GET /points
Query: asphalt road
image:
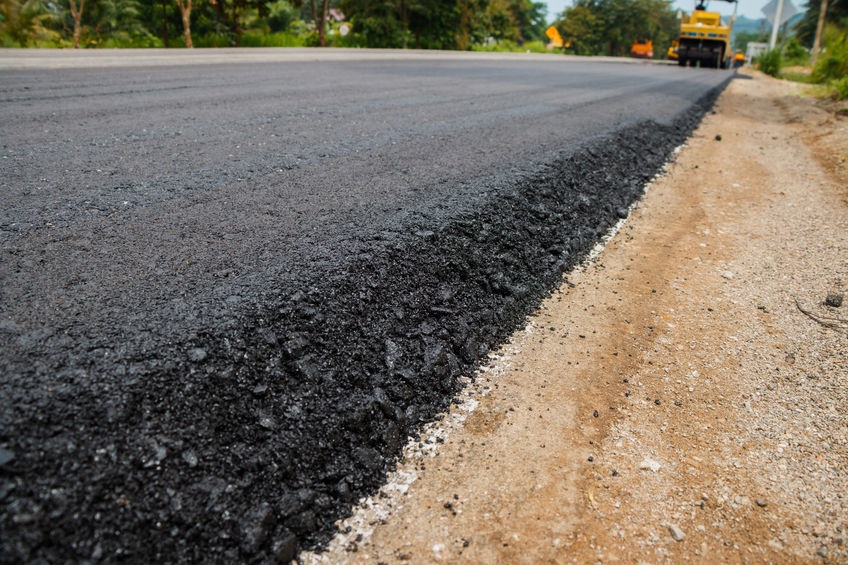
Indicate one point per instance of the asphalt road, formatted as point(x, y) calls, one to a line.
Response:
point(232, 288)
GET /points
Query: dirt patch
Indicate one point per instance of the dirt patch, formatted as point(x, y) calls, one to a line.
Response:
point(829, 138)
point(673, 401)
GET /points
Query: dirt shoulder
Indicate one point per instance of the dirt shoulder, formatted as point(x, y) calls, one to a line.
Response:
point(673, 401)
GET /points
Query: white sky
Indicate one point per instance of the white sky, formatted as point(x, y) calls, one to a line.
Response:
point(747, 8)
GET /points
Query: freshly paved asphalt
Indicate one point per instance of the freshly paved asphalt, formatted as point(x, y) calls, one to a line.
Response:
point(234, 282)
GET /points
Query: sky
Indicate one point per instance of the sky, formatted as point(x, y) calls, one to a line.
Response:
point(747, 8)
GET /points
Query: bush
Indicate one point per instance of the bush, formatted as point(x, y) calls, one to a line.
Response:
point(210, 40)
point(123, 41)
point(509, 46)
point(832, 64)
point(770, 62)
point(281, 16)
point(795, 54)
point(840, 88)
point(830, 67)
point(535, 46)
point(505, 46)
point(281, 39)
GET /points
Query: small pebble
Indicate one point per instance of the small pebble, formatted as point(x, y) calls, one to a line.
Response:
point(833, 300)
point(762, 502)
point(190, 457)
point(595, 414)
point(718, 137)
point(197, 354)
point(649, 464)
point(267, 422)
point(822, 551)
point(676, 533)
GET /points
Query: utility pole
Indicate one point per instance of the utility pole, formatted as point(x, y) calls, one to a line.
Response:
point(775, 25)
point(819, 28)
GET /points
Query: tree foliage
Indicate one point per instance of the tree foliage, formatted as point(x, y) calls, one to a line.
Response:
point(446, 24)
point(837, 16)
point(27, 22)
point(609, 27)
point(426, 24)
point(743, 38)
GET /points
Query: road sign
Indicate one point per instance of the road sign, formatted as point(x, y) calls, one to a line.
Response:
point(770, 9)
point(554, 36)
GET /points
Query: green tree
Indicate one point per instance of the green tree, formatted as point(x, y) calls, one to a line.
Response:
point(450, 24)
point(502, 23)
point(582, 28)
point(444, 24)
point(185, 15)
point(112, 23)
point(232, 17)
point(837, 15)
point(118, 22)
point(76, 9)
point(530, 18)
point(743, 38)
point(24, 22)
point(609, 27)
point(281, 15)
point(380, 23)
point(161, 18)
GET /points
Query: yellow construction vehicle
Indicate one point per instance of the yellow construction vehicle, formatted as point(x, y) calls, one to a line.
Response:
point(642, 49)
point(705, 39)
point(672, 50)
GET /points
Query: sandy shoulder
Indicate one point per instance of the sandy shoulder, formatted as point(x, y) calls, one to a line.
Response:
point(670, 402)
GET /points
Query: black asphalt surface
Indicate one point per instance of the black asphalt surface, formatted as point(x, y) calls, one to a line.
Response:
point(230, 292)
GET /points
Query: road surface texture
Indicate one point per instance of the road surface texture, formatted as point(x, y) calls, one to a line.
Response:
point(683, 399)
point(231, 290)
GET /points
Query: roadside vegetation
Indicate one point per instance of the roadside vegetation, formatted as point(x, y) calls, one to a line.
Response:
point(590, 27)
point(609, 27)
point(795, 58)
point(452, 24)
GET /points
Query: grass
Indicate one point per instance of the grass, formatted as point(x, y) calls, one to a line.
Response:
point(279, 39)
point(839, 88)
point(830, 72)
point(512, 47)
point(798, 74)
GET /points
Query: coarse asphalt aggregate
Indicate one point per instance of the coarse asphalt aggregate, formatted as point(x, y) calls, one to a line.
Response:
point(231, 291)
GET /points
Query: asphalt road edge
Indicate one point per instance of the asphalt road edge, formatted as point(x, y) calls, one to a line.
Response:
point(313, 390)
